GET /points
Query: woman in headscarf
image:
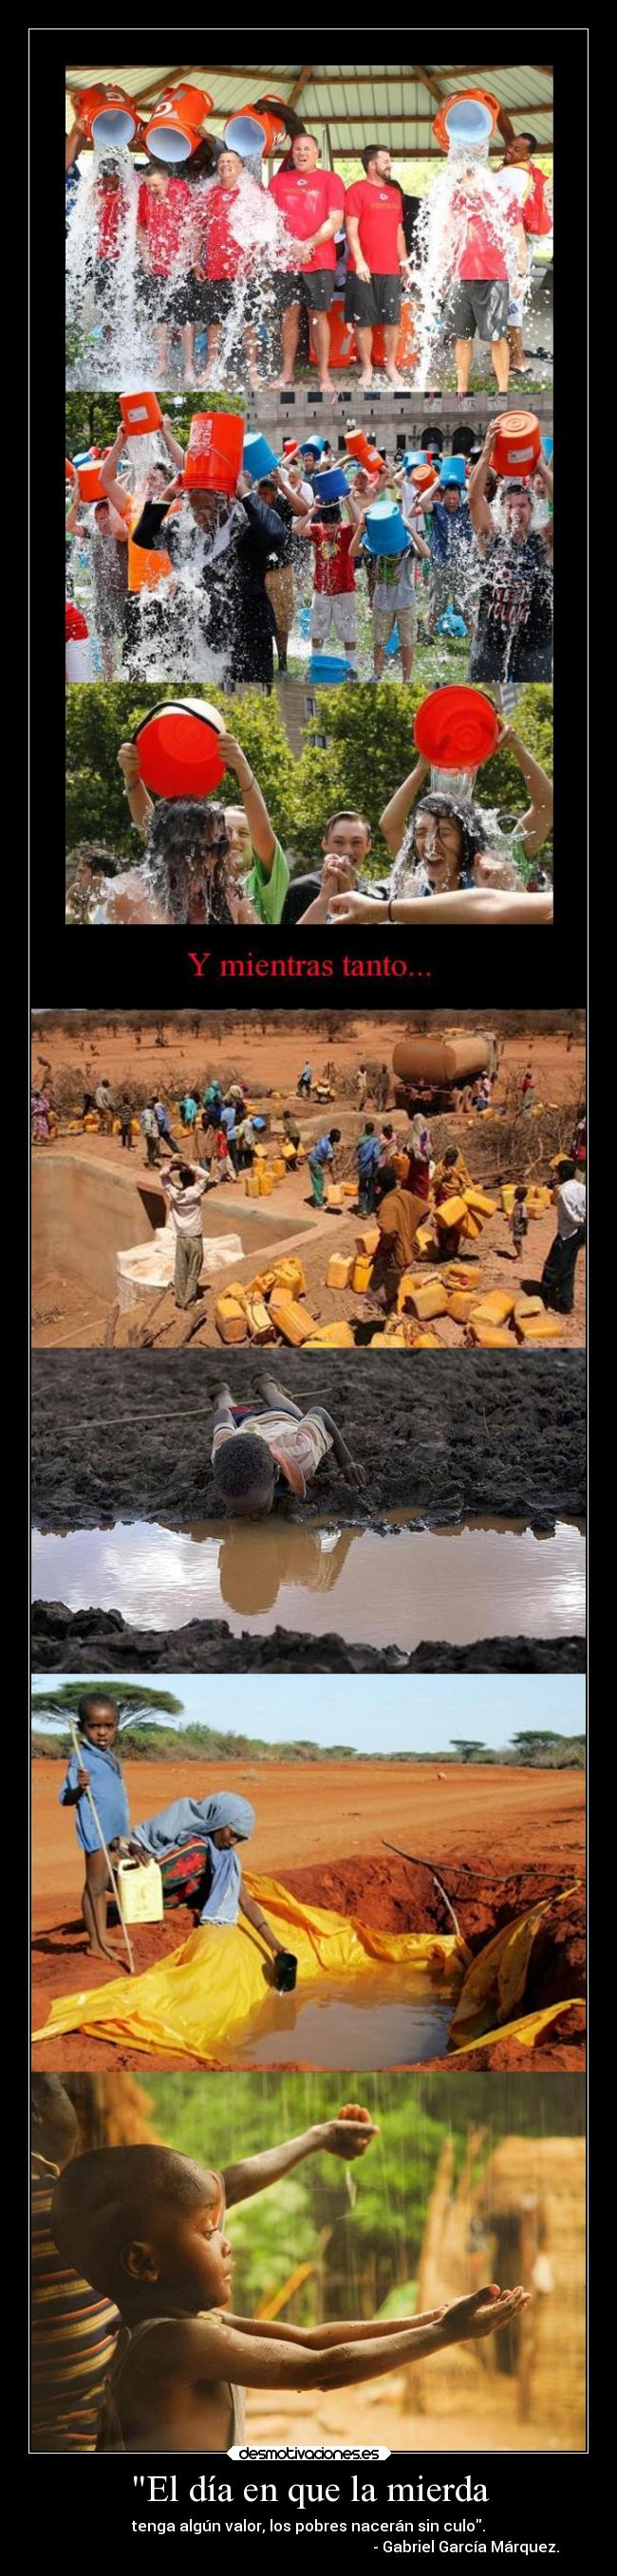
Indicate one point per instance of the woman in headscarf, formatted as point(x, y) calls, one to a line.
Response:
point(442, 852)
point(194, 1841)
point(418, 1148)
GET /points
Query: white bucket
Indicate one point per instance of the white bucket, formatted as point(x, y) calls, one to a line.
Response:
point(140, 1890)
point(78, 659)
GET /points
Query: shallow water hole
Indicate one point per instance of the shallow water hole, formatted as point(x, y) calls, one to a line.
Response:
point(394, 1586)
point(393, 2019)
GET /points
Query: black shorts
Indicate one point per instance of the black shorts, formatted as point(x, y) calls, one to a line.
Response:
point(104, 280)
point(313, 287)
point(478, 304)
point(212, 299)
point(162, 301)
point(368, 305)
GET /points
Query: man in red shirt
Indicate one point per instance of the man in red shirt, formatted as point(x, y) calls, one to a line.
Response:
point(311, 203)
point(230, 230)
point(164, 241)
point(488, 249)
point(377, 256)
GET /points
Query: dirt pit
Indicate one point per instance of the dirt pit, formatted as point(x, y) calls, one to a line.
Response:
point(382, 1587)
point(129, 1435)
point(65, 1641)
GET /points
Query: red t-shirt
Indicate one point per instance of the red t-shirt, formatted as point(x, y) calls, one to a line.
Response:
point(333, 571)
point(222, 251)
point(482, 255)
point(162, 218)
point(535, 215)
point(381, 213)
point(305, 198)
point(109, 211)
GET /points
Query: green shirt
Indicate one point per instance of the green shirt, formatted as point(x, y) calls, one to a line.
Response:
point(268, 893)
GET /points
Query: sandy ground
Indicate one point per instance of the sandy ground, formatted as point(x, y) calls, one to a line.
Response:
point(519, 1834)
point(276, 1056)
point(65, 1314)
point(380, 2413)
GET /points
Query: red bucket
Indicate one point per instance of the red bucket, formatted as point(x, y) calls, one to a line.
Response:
point(456, 728)
point(517, 443)
point(178, 748)
point(214, 452)
point(140, 413)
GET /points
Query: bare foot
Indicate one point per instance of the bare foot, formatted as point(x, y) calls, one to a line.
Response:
point(366, 378)
point(326, 387)
point(102, 1950)
point(392, 374)
point(282, 384)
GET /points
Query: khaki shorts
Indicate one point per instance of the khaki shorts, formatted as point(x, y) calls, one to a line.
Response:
point(385, 620)
point(281, 591)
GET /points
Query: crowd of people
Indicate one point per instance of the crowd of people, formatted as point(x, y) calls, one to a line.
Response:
point(191, 582)
point(204, 861)
point(243, 273)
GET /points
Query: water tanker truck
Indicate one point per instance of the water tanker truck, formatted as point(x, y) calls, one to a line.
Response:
point(430, 1070)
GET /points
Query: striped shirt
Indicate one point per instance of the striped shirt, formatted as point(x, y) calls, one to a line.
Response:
point(74, 2335)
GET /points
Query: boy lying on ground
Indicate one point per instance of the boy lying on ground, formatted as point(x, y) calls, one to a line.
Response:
point(259, 1449)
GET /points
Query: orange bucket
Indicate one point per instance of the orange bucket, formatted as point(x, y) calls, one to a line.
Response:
point(107, 114)
point(342, 343)
point(517, 443)
point(90, 485)
point(214, 452)
point(172, 132)
point(69, 470)
point(468, 116)
point(365, 455)
point(253, 130)
point(140, 412)
point(424, 477)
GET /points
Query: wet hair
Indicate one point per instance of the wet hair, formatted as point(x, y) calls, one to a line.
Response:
point(184, 832)
point(243, 1466)
point(91, 1700)
point(370, 152)
point(348, 814)
point(457, 809)
point(110, 2196)
point(328, 514)
point(55, 2126)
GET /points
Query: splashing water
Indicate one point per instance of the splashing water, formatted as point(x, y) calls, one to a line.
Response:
point(464, 187)
point(107, 326)
point(256, 225)
point(504, 834)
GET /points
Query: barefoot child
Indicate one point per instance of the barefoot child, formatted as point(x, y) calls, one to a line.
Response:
point(259, 1449)
point(147, 2226)
point(97, 1720)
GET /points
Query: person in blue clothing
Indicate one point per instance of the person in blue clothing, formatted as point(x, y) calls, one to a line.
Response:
point(188, 1108)
point(451, 542)
point(97, 1720)
point(320, 1157)
point(368, 1158)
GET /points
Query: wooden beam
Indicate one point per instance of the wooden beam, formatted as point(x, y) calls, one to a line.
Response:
point(305, 75)
point(428, 83)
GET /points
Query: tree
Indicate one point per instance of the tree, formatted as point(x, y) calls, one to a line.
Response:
point(469, 1748)
point(132, 1699)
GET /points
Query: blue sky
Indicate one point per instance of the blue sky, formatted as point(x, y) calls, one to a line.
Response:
point(381, 1713)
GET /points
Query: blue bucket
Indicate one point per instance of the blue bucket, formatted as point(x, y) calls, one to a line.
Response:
point(394, 643)
point(414, 456)
point(384, 531)
point(317, 444)
point(258, 457)
point(547, 444)
point(245, 134)
point(327, 668)
point(332, 486)
point(453, 471)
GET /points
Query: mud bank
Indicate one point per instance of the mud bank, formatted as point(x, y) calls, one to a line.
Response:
point(128, 1435)
point(61, 1638)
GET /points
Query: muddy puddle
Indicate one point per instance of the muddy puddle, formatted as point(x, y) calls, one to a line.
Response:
point(393, 2020)
point(381, 1588)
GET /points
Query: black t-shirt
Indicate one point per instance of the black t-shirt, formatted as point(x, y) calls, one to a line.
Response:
point(516, 599)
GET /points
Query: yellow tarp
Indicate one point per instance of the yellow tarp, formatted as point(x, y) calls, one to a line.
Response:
point(527, 2030)
point(497, 1978)
point(202, 2000)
